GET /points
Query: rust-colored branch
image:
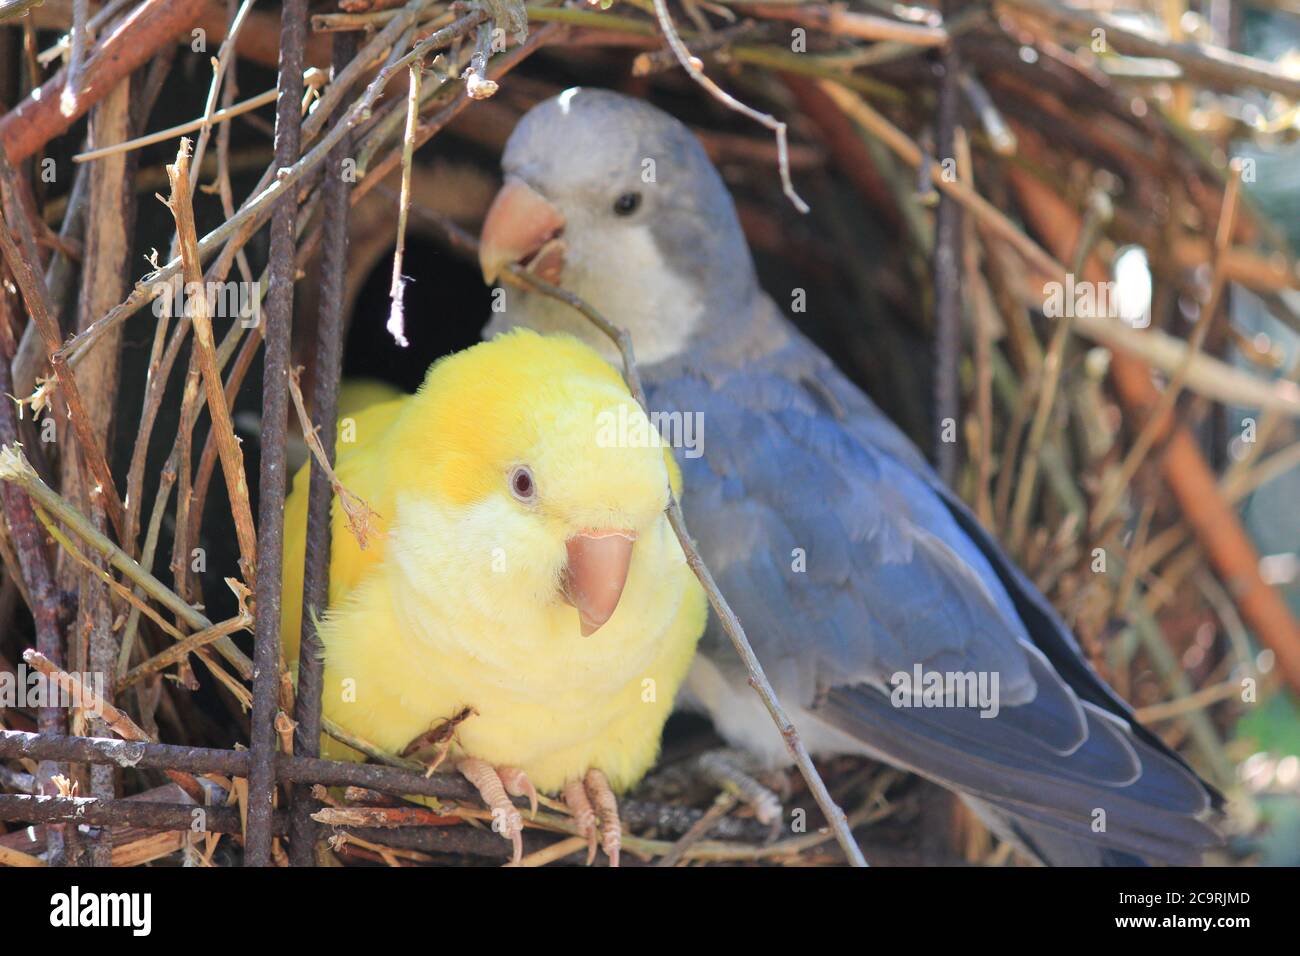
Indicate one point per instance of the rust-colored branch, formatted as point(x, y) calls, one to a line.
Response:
point(38, 119)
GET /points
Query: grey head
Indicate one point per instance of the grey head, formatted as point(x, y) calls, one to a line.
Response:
point(618, 201)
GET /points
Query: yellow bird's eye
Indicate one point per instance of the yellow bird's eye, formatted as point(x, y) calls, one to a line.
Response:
point(522, 485)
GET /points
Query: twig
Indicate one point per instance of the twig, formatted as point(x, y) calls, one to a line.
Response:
point(692, 67)
point(358, 513)
point(224, 56)
point(1001, 137)
point(22, 264)
point(273, 479)
point(232, 459)
point(397, 288)
point(74, 552)
point(61, 46)
point(162, 135)
point(722, 805)
point(183, 648)
point(1181, 706)
point(15, 469)
point(833, 18)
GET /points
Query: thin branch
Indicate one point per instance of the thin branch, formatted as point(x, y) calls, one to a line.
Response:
point(232, 459)
point(693, 68)
point(220, 116)
point(15, 468)
point(397, 287)
point(23, 264)
point(184, 647)
point(359, 514)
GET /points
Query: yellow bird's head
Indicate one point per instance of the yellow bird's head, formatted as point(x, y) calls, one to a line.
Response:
point(531, 462)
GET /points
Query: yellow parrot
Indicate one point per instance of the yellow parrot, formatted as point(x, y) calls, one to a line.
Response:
point(520, 585)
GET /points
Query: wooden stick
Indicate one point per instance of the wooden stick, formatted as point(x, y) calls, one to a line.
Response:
point(833, 18)
point(38, 119)
point(220, 116)
point(232, 459)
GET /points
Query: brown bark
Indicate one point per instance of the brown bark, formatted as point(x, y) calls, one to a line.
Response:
point(35, 121)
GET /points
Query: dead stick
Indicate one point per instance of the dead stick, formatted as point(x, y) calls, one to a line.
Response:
point(33, 565)
point(117, 720)
point(36, 297)
point(272, 482)
point(232, 459)
point(38, 118)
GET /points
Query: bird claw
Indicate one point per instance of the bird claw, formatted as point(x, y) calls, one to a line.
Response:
point(598, 822)
point(730, 770)
point(494, 786)
point(517, 784)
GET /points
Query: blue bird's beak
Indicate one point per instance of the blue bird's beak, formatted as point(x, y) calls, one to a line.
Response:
point(521, 227)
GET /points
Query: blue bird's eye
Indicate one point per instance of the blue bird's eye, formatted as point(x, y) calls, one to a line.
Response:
point(522, 485)
point(627, 204)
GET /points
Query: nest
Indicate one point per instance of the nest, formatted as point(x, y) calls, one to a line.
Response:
point(1027, 227)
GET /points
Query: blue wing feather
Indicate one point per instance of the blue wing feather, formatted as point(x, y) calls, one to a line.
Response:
point(896, 572)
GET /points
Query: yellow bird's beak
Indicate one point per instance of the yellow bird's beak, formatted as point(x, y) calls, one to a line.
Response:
point(596, 573)
point(521, 227)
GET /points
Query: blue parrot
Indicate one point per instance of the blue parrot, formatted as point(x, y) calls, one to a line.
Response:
point(890, 623)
